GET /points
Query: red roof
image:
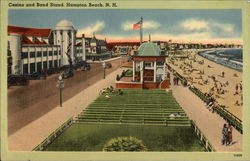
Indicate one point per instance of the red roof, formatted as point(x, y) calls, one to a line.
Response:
point(26, 40)
point(79, 44)
point(37, 41)
point(29, 31)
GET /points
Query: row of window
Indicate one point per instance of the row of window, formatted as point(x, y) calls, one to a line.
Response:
point(150, 64)
point(38, 66)
point(78, 50)
point(39, 54)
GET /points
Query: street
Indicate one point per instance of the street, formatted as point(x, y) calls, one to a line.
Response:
point(28, 103)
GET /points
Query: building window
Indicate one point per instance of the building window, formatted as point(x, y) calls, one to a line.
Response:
point(39, 67)
point(59, 52)
point(50, 53)
point(148, 64)
point(55, 52)
point(24, 55)
point(9, 70)
point(32, 54)
point(160, 63)
point(50, 64)
point(45, 53)
point(45, 65)
point(55, 64)
point(8, 53)
point(32, 67)
point(25, 68)
point(39, 54)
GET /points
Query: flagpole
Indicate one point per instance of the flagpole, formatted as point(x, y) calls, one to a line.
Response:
point(141, 27)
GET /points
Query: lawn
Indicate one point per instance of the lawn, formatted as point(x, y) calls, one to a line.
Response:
point(135, 106)
point(92, 137)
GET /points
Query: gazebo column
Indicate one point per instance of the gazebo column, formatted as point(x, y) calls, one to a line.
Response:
point(133, 70)
point(164, 71)
point(142, 64)
point(154, 71)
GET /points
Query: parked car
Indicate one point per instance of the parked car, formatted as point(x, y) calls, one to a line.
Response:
point(108, 65)
point(86, 66)
point(52, 71)
point(67, 73)
point(15, 80)
point(35, 76)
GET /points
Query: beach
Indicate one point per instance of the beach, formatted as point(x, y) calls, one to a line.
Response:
point(222, 83)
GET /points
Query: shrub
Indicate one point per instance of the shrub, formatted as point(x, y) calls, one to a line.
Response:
point(125, 144)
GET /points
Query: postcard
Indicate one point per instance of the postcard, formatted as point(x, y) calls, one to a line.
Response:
point(125, 80)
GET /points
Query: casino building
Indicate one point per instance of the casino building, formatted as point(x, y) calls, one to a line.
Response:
point(34, 50)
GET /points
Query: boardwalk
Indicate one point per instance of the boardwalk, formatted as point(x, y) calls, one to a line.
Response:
point(210, 123)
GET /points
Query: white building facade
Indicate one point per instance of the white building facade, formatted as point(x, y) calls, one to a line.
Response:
point(35, 50)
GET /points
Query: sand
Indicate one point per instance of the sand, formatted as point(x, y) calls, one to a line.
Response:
point(211, 69)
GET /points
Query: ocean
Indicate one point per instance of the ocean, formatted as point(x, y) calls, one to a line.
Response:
point(231, 58)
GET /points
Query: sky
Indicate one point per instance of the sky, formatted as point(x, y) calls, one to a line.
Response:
point(202, 26)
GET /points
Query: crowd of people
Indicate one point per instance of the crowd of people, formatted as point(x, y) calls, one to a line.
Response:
point(217, 86)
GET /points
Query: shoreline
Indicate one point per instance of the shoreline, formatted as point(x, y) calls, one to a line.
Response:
point(232, 64)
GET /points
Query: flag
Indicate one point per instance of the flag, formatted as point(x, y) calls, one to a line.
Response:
point(137, 25)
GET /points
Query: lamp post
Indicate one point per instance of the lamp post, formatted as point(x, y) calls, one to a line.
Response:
point(60, 85)
point(104, 66)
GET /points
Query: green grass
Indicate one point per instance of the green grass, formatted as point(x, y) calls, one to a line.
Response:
point(92, 137)
point(135, 106)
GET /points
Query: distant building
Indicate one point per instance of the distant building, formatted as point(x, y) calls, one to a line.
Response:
point(33, 50)
point(95, 49)
point(125, 47)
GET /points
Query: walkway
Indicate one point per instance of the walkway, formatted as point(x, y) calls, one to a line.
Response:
point(210, 123)
point(34, 133)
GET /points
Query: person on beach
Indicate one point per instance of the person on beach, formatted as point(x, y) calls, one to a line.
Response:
point(223, 74)
point(229, 134)
point(240, 86)
point(224, 134)
point(236, 89)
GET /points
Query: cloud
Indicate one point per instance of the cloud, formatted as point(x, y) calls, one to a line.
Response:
point(225, 27)
point(97, 27)
point(146, 25)
point(222, 29)
point(194, 24)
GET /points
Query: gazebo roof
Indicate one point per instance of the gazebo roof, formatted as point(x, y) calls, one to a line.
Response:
point(149, 49)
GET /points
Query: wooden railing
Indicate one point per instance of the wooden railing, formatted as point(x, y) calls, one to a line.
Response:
point(54, 135)
point(208, 146)
point(228, 116)
point(231, 118)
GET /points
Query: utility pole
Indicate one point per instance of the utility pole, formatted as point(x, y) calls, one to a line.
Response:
point(60, 85)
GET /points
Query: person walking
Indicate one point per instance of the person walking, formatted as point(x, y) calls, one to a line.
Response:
point(224, 134)
point(229, 134)
point(174, 79)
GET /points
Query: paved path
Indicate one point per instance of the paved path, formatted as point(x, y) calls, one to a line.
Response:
point(210, 123)
point(34, 133)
